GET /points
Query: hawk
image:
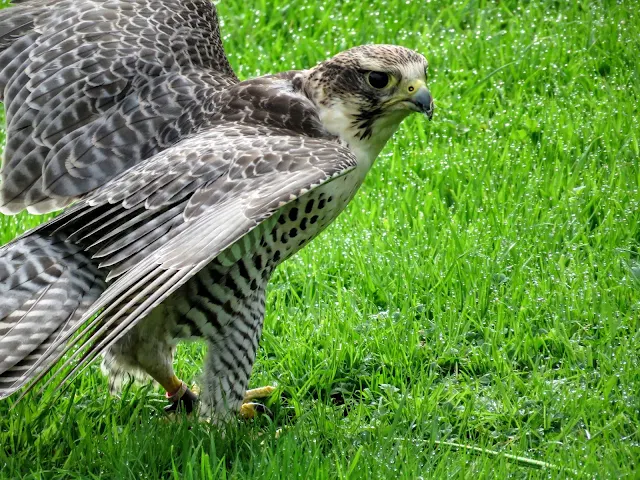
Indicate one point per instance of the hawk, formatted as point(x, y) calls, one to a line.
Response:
point(184, 187)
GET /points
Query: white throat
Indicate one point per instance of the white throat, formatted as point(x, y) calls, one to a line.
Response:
point(339, 121)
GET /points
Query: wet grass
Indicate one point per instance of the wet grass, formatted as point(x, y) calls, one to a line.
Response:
point(482, 289)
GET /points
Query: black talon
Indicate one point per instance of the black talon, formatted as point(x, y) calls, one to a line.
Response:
point(262, 410)
point(187, 403)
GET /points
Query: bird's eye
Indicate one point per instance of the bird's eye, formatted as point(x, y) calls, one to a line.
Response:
point(378, 79)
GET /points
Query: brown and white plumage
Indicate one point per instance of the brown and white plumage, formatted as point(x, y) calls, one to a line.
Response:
point(191, 186)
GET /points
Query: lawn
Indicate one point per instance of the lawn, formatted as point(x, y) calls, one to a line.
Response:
point(482, 290)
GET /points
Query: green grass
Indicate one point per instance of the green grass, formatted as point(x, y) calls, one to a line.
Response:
point(483, 288)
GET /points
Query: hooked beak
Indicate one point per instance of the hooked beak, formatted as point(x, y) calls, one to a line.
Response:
point(423, 101)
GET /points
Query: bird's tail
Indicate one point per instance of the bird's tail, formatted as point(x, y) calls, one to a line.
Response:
point(46, 284)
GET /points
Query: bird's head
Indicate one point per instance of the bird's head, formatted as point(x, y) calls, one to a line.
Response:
point(364, 93)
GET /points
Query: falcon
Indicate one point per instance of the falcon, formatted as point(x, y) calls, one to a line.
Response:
point(184, 187)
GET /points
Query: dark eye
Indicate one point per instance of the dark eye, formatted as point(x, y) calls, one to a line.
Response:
point(378, 79)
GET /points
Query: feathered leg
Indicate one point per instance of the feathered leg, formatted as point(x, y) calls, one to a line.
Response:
point(224, 305)
point(147, 351)
point(229, 362)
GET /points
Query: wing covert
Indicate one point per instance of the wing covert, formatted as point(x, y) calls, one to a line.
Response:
point(91, 87)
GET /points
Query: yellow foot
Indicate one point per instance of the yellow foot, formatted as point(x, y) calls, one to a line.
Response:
point(262, 392)
point(249, 409)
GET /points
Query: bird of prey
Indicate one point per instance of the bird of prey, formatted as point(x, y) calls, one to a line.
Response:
point(184, 187)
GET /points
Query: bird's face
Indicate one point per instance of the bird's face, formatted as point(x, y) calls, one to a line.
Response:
point(365, 92)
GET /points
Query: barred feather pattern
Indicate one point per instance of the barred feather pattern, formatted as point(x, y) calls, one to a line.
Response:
point(91, 87)
point(224, 302)
point(46, 285)
point(174, 219)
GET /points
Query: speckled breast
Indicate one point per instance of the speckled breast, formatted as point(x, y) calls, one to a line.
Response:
point(299, 222)
point(231, 289)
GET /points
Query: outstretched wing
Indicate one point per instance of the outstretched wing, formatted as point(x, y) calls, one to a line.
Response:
point(159, 223)
point(91, 87)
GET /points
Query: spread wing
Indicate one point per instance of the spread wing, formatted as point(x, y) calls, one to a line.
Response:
point(91, 87)
point(159, 223)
